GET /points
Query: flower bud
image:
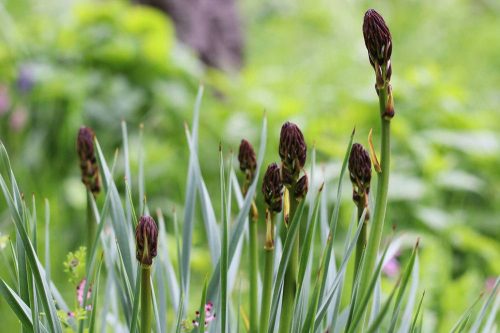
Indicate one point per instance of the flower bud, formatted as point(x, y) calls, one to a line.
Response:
point(301, 188)
point(247, 159)
point(272, 188)
point(88, 163)
point(146, 240)
point(293, 152)
point(378, 39)
point(360, 171)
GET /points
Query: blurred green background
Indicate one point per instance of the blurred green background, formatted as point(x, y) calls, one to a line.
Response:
point(68, 63)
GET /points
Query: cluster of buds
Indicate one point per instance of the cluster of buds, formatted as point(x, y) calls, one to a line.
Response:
point(293, 154)
point(146, 239)
point(209, 315)
point(272, 188)
point(378, 42)
point(247, 159)
point(360, 172)
point(88, 163)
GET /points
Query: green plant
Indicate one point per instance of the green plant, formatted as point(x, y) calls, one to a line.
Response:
point(310, 281)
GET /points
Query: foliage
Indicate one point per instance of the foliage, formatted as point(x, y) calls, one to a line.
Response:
point(312, 69)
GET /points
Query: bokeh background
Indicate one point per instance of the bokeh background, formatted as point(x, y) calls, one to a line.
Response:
point(68, 63)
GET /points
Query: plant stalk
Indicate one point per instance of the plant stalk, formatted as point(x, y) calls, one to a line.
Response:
point(363, 236)
point(91, 222)
point(146, 300)
point(254, 270)
point(381, 196)
point(268, 274)
point(290, 283)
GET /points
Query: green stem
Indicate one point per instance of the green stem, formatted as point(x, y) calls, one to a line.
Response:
point(290, 284)
point(146, 301)
point(91, 223)
point(363, 236)
point(268, 278)
point(254, 273)
point(381, 197)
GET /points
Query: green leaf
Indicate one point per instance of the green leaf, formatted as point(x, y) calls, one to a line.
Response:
point(201, 320)
point(95, 294)
point(487, 303)
point(285, 258)
point(237, 231)
point(406, 277)
point(224, 257)
point(135, 307)
point(189, 206)
point(334, 219)
point(415, 317)
point(122, 230)
point(40, 281)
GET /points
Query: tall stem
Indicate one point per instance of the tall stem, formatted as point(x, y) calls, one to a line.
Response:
point(268, 274)
point(290, 284)
point(381, 196)
point(146, 300)
point(91, 223)
point(254, 271)
point(363, 237)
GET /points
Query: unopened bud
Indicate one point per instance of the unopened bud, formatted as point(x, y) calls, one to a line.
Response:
point(301, 188)
point(247, 159)
point(378, 39)
point(293, 152)
point(272, 188)
point(88, 163)
point(360, 171)
point(146, 240)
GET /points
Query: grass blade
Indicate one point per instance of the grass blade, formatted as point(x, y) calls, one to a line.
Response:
point(237, 231)
point(404, 283)
point(287, 251)
point(40, 281)
point(189, 206)
point(487, 303)
point(415, 317)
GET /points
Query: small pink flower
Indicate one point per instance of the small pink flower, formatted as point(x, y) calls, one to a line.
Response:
point(18, 118)
point(79, 294)
point(209, 316)
point(392, 268)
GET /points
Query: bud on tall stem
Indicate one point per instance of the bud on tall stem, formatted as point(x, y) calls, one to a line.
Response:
point(248, 164)
point(146, 239)
point(293, 153)
point(378, 42)
point(360, 172)
point(88, 163)
point(90, 177)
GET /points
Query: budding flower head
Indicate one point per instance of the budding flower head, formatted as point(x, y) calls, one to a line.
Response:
point(272, 188)
point(301, 188)
point(146, 240)
point(247, 159)
point(360, 171)
point(378, 39)
point(293, 152)
point(88, 163)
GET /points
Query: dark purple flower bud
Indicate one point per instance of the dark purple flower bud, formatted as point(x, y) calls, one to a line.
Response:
point(301, 188)
point(272, 188)
point(88, 163)
point(293, 152)
point(360, 171)
point(146, 240)
point(247, 159)
point(378, 39)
